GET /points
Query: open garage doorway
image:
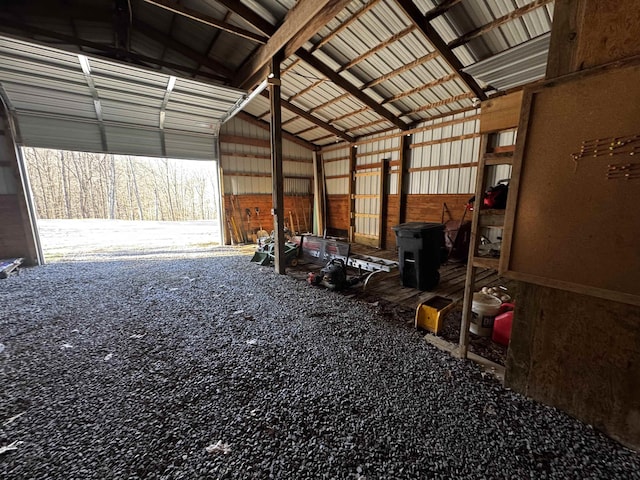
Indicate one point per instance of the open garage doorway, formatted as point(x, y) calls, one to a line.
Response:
point(94, 205)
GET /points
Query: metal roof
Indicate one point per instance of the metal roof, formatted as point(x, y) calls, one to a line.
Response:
point(74, 102)
point(371, 66)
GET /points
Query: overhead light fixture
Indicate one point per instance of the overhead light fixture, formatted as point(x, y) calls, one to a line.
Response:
point(84, 63)
point(171, 83)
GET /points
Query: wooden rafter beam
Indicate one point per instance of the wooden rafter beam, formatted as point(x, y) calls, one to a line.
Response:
point(352, 113)
point(420, 61)
point(443, 7)
point(440, 46)
point(366, 125)
point(350, 88)
point(306, 89)
point(315, 120)
point(515, 14)
point(345, 24)
point(300, 24)
point(181, 48)
point(114, 52)
point(329, 103)
point(381, 46)
point(305, 130)
point(179, 9)
point(421, 88)
point(214, 39)
point(441, 103)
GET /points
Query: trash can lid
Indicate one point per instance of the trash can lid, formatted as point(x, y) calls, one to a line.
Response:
point(417, 227)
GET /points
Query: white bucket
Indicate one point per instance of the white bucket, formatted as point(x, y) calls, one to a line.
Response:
point(485, 308)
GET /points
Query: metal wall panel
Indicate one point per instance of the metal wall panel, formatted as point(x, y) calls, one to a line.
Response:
point(59, 133)
point(8, 184)
point(451, 153)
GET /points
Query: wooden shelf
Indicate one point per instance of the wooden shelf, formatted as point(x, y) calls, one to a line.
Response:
point(491, 218)
point(486, 262)
point(502, 158)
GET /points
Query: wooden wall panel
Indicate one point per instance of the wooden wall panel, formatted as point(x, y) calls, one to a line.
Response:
point(392, 220)
point(338, 215)
point(428, 208)
point(299, 206)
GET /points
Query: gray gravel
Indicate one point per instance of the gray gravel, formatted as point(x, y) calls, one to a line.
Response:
point(212, 367)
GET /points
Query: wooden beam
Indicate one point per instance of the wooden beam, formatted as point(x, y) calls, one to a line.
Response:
point(426, 86)
point(306, 90)
point(366, 125)
point(405, 155)
point(300, 24)
point(345, 24)
point(515, 14)
point(448, 56)
point(382, 214)
point(441, 103)
point(315, 120)
point(276, 164)
point(445, 140)
point(350, 114)
point(329, 103)
point(443, 7)
point(408, 66)
point(181, 48)
point(179, 9)
point(352, 190)
point(350, 88)
point(381, 46)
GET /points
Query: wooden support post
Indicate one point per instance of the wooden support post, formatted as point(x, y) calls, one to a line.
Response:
point(276, 163)
point(382, 214)
point(352, 191)
point(319, 197)
point(405, 155)
point(473, 248)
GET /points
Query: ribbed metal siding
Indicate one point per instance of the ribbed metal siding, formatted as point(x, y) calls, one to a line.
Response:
point(336, 186)
point(451, 180)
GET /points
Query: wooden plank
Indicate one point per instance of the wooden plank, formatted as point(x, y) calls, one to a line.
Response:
point(416, 16)
point(265, 126)
point(300, 24)
point(445, 140)
point(486, 262)
point(348, 87)
point(500, 113)
point(345, 24)
point(505, 158)
point(509, 17)
point(443, 167)
point(441, 8)
point(382, 202)
point(381, 46)
point(378, 152)
point(406, 67)
point(441, 103)
point(279, 260)
point(421, 88)
point(352, 190)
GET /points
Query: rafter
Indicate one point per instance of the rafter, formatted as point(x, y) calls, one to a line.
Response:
point(441, 103)
point(352, 113)
point(515, 14)
point(300, 24)
point(350, 88)
point(213, 41)
point(176, 8)
point(394, 73)
point(345, 24)
point(440, 46)
point(366, 125)
point(443, 7)
point(306, 90)
point(421, 88)
point(329, 103)
point(377, 48)
point(315, 120)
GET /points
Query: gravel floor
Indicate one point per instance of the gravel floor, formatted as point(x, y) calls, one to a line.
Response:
point(212, 367)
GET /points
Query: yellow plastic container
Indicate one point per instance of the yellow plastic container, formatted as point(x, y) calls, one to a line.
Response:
point(429, 314)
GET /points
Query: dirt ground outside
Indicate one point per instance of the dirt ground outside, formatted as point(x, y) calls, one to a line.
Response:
point(64, 240)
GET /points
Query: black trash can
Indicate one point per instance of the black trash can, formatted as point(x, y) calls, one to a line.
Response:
point(420, 248)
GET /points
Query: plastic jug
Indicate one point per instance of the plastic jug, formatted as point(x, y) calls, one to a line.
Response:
point(502, 324)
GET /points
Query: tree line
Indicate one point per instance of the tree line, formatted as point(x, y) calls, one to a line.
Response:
point(92, 185)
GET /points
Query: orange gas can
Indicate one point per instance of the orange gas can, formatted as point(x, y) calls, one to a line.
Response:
point(502, 325)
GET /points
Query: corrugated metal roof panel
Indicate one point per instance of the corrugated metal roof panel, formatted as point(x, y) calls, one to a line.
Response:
point(517, 66)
